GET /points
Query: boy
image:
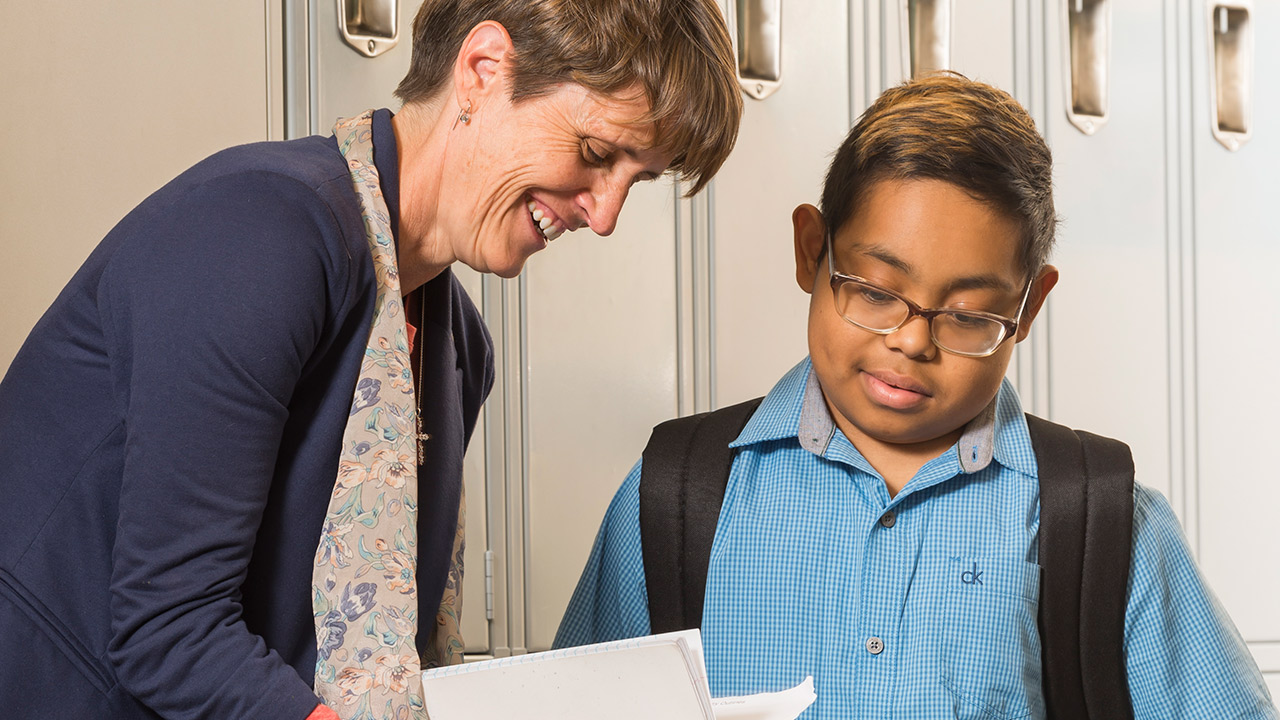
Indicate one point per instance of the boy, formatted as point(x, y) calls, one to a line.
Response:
point(880, 525)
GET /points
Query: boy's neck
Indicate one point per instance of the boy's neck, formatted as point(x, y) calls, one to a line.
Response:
point(896, 463)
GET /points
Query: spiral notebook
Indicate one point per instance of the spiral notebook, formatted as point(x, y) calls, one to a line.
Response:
point(659, 676)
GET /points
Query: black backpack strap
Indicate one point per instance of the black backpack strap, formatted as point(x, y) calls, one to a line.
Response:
point(1086, 539)
point(682, 481)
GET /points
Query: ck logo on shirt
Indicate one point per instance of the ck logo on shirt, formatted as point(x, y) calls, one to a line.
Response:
point(972, 577)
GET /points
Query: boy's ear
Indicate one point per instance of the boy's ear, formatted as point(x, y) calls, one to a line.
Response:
point(1040, 288)
point(482, 63)
point(810, 238)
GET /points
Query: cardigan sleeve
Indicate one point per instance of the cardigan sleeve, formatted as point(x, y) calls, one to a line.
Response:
point(211, 313)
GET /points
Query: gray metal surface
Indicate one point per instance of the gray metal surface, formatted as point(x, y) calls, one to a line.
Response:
point(1088, 44)
point(1236, 301)
point(370, 27)
point(928, 35)
point(758, 26)
point(1231, 72)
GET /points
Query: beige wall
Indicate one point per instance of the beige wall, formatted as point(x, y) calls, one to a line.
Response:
point(104, 103)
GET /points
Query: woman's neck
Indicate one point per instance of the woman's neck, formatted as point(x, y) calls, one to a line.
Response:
point(423, 252)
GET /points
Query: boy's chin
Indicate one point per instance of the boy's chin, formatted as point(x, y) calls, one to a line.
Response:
point(902, 429)
point(914, 436)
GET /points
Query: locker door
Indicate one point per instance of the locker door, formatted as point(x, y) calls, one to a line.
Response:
point(1110, 192)
point(996, 42)
point(1237, 300)
point(690, 305)
point(344, 82)
point(1159, 216)
point(326, 79)
point(1110, 318)
point(759, 315)
point(599, 360)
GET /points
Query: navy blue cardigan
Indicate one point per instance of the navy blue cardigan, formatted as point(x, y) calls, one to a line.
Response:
point(169, 439)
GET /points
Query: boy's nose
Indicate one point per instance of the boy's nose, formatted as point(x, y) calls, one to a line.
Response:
point(913, 339)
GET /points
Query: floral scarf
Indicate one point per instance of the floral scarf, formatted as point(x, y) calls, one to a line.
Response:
point(364, 587)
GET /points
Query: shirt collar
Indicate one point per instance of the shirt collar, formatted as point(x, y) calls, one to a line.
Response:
point(977, 444)
point(778, 416)
point(817, 427)
point(386, 158)
point(796, 408)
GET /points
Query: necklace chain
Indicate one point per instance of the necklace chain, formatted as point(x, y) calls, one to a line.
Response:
point(419, 436)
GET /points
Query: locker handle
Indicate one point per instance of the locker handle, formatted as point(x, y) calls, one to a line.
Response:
point(1231, 72)
point(758, 25)
point(370, 27)
point(927, 35)
point(1088, 41)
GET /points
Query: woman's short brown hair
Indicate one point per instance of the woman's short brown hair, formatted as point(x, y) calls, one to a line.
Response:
point(948, 127)
point(678, 51)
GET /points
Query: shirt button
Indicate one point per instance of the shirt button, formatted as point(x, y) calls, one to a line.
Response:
point(875, 645)
point(889, 519)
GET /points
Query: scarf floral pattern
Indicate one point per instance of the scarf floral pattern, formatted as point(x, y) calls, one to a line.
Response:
point(364, 586)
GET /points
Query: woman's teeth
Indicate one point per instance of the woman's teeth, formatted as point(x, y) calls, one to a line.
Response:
point(544, 222)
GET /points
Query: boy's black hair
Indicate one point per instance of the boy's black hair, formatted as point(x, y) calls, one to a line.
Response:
point(947, 127)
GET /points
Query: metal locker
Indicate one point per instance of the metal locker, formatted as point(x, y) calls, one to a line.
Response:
point(599, 358)
point(1116, 230)
point(758, 315)
point(1229, 309)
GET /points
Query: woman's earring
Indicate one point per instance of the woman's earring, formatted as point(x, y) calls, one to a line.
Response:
point(465, 116)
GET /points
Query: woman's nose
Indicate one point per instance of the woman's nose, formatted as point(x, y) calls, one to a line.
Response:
point(603, 203)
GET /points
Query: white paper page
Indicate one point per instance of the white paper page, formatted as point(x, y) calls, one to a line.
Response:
point(655, 677)
point(785, 705)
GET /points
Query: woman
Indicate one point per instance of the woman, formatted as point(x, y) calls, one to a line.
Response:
point(232, 449)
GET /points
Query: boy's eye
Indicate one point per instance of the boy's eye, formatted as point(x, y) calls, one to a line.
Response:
point(963, 320)
point(875, 297)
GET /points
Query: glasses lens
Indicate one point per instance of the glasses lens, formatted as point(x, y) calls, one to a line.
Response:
point(967, 334)
point(870, 308)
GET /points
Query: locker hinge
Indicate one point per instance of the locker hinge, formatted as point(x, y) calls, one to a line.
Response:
point(488, 584)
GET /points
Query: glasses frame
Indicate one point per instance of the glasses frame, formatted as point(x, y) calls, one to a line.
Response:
point(913, 310)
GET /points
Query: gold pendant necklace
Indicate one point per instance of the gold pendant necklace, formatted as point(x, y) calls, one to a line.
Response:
point(420, 437)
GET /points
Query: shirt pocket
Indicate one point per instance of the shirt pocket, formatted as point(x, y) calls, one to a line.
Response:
point(989, 642)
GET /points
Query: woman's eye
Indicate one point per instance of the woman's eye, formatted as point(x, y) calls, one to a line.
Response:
point(591, 155)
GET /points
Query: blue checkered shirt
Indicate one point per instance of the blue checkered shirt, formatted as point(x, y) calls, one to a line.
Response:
point(923, 605)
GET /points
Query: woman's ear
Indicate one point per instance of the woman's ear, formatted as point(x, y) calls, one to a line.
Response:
point(483, 64)
point(810, 232)
point(1040, 288)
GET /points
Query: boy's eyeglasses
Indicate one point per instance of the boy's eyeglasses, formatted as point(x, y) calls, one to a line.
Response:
point(969, 333)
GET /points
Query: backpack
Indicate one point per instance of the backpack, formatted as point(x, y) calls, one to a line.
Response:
point(1086, 533)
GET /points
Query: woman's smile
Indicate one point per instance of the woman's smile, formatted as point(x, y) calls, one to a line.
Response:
point(545, 221)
